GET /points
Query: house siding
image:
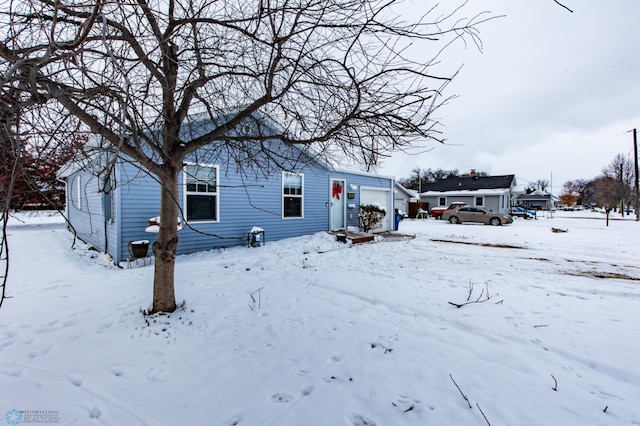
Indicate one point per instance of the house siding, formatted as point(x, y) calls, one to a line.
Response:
point(433, 200)
point(84, 209)
point(139, 196)
point(361, 181)
point(493, 203)
point(243, 203)
point(244, 200)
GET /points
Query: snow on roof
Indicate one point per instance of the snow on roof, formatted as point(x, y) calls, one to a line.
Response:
point(467, 192)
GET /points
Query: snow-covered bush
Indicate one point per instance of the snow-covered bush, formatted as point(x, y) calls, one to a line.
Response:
point(371, 216)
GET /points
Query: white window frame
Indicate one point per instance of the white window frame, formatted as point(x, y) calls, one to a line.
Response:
point(186, 193)
point(475, 201)
point(440, 204)
point(79, 192)
point(301, 195)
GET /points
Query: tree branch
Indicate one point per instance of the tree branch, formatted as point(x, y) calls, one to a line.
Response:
point(560, 4)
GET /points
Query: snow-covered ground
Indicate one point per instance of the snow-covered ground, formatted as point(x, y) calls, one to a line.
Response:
point(338, 334)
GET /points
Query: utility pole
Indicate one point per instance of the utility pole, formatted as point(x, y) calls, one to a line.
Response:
point(621, 186)
point(636, 202)
point(550, 202)
point(419, 189)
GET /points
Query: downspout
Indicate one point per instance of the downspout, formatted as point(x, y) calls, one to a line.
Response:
point(117, 212)
point(392, 216)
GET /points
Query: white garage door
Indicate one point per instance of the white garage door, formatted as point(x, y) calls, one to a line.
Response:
point(381, 197)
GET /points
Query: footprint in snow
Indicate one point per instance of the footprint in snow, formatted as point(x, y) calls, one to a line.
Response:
point(407, 403)
point(69, 323)
point(234, 421)
point(116, 372)
point(359, 420)
point(307, 391)
point(95, 413)
point(16, 372)
point(104, 327)
point(281, 397)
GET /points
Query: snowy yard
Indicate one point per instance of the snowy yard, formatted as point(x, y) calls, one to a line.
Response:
point(343, 334)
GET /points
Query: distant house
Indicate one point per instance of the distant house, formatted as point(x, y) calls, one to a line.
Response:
point(404, 199)
point(537, 200)
point(219, 204)
point(497, 193)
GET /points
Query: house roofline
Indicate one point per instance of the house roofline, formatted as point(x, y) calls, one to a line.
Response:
point(465, 192)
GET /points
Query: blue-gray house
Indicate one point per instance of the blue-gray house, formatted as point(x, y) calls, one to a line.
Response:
point(220, 200)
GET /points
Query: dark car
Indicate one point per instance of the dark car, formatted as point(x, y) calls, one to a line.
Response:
point(477, 215)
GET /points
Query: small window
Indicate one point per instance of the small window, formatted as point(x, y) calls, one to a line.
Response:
point(480, 201)
point(292, 195)
point(201, 193)
point(442, 201)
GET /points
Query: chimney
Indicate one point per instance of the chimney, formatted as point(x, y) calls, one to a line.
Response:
point(473, 173)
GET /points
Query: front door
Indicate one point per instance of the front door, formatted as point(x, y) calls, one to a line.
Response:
point(337, 203)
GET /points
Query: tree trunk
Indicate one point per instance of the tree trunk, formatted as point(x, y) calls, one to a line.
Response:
point(165, 247)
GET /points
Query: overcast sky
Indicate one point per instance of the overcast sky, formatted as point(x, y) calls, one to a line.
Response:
point(553, 94)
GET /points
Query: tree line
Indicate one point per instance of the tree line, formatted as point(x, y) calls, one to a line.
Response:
point(28, 167)
point(431, 175)
point(613, 189)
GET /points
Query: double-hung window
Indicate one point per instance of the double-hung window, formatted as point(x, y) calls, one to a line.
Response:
point(201, 193)
point(292, 195)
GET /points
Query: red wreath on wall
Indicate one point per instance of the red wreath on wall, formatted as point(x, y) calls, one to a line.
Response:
point(337, 190)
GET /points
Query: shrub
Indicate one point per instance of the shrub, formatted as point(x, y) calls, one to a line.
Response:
point(371, 216)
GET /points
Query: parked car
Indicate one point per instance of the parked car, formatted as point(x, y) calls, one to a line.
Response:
point(522, 212)
point(476, 214)
point(437, 211)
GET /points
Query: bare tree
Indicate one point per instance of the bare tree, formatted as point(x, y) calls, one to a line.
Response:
point(537, 185)
point(31, 161)
point(10, 152)
point(621, 170)
point(412, 182)
point(427, 176)
point(605, 193)
point(336, 74)
point(542, 184)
